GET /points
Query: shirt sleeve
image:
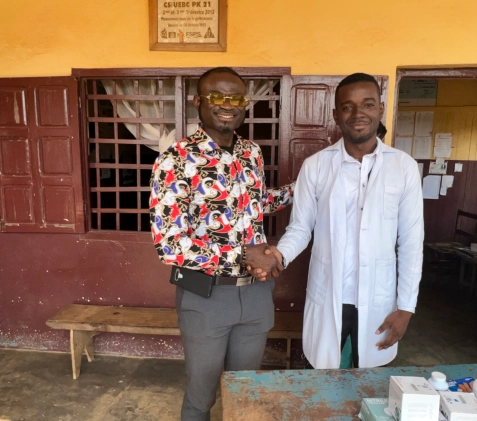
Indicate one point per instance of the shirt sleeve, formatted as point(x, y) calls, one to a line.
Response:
point(274, 200)
point(410, 239)
point(171, 232)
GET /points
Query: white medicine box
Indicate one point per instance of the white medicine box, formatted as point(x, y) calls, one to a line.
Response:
point(413, 399)
point(456, 406)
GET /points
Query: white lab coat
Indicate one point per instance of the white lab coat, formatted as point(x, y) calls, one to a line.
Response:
point(391, 226)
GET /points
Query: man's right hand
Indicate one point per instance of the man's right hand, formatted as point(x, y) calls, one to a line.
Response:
point(262, 258)
point(259, 272)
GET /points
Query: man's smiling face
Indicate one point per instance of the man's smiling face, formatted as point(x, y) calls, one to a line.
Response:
point(358, 111)
point(225, 118)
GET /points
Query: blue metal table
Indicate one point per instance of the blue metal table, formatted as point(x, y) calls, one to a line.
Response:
point(303, 395)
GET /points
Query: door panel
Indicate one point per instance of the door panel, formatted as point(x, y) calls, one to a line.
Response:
point(309, 105)
point(40, 165)
point(12, 106)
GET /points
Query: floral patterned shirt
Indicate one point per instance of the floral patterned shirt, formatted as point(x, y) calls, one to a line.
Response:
point(205, 203)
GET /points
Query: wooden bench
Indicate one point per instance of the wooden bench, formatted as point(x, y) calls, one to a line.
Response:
point(86, 321)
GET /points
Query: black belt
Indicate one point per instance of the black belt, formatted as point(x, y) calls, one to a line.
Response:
point(233, 280)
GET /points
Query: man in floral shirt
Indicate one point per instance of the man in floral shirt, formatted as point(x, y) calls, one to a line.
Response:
point(207, 204)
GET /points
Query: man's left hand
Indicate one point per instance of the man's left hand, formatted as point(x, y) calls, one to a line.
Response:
point(397, 323)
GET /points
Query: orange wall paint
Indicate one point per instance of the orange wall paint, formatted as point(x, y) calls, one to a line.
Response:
point(49, 37)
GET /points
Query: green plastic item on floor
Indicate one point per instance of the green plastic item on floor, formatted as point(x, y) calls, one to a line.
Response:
point(347, 355)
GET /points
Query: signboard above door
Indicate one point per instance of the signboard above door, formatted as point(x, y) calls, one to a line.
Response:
point(188, 25)
point(418, 92)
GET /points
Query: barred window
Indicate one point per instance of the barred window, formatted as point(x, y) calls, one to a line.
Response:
point(129, 121)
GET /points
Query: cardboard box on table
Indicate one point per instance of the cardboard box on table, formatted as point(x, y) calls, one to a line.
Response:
point(413, 399)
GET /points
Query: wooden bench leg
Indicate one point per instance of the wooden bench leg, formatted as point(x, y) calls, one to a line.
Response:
point(80, 340)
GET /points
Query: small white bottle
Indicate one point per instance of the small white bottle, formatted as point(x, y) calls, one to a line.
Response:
point(438, 381)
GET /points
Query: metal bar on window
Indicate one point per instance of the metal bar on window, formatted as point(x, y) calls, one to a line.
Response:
point(123, 141)
point(139, 97)
point(96, 150)
point(122, 166)
point(273, 105)
point(179, 107)
point(117, 189)
point(160, 84)
point(250, 114)
point(138, 184)
point(119, 211)
point(133, 120)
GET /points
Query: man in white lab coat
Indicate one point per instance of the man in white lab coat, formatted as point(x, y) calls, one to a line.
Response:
point(363, 201)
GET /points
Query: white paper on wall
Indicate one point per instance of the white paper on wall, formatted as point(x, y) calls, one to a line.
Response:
point(404, 144)
point(435, 168)
point(424, 123)
point(422, 147)
point(431, 186)
point(420, 166)
point(443, 145)
point(405, 123)
point(447, 183)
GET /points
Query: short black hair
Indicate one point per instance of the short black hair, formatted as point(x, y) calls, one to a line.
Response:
point(217, 70)
point(382, 131)
point(357, 78)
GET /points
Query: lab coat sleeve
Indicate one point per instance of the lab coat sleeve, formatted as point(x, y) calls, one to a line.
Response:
point(304, 209)
point(410, 239)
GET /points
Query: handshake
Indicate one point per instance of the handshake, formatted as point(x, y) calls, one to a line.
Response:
point(263, 261)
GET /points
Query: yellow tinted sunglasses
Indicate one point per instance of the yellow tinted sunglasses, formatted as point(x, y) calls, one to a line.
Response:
point(219, 99)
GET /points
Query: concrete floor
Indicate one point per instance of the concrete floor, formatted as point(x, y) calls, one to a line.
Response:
point(38, 386)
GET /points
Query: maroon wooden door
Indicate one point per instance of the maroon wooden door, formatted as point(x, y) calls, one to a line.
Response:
point(40, 165)
point(306, 127)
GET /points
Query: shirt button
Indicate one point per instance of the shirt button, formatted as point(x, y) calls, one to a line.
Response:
point(364, 185)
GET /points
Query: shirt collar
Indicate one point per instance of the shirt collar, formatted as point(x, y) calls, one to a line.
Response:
point(206, 143)
point(346, 157)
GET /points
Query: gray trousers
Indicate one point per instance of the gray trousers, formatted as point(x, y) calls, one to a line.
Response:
point(226, 331)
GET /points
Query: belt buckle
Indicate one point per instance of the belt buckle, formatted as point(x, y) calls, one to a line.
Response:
point(245, 281)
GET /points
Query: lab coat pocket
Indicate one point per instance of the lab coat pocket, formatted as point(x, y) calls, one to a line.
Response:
point(319, 278)
point(392, 195)
point(384, 282)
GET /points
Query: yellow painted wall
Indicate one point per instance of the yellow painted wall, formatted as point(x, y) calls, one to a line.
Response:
point(462, 123)
point(456, 92)
point(455, 112)
point(49, 37)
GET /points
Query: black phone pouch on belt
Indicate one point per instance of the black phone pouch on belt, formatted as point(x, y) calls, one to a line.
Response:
point(192, 280)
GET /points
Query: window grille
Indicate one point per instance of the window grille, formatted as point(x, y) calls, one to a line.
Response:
point(129, 120)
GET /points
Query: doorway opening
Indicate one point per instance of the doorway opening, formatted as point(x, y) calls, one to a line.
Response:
point(435, 121)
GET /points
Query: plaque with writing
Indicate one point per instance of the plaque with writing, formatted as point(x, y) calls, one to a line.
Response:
point(188, 25)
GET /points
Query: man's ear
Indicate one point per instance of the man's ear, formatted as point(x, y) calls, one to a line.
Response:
point(381, 109)
point(335, 116)
point(196, 101)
